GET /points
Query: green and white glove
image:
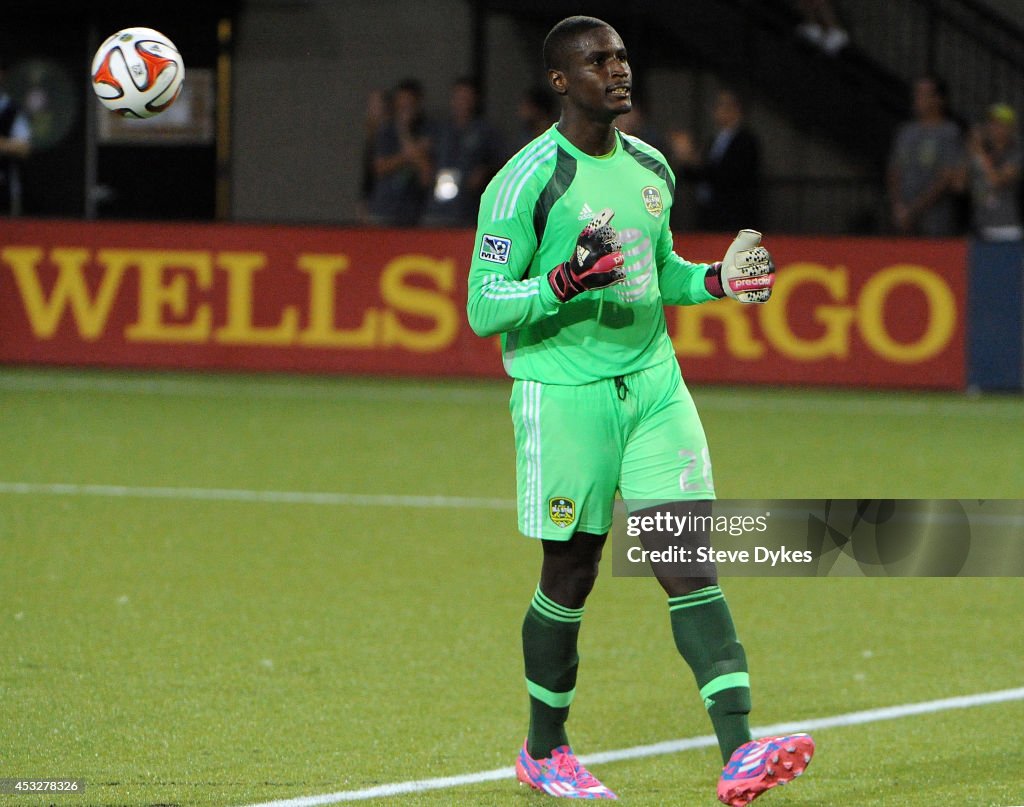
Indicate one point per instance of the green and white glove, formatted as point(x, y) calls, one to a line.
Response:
point(746, 273)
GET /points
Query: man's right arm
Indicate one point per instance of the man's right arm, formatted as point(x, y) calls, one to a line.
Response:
point(499, 299)
point(499, 303)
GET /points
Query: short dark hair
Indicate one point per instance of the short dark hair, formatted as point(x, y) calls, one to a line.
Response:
point(559, 39)
point(411, 85)
point(468, 80)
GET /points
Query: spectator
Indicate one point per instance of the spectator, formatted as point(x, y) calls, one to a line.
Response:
point(536, 113)
point(924, 166)
point(468, 152)
point(15, 145)
point(821, 26)
point(402, 168)
point(378, 114)
point(994, 176)
point(727, 174)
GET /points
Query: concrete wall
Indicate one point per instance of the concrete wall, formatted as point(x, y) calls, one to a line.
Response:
point(897, 36)
point(838, 190)
point(303, 70)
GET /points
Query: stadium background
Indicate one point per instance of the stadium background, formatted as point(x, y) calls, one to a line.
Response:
point(238, 565)
point(300, 72)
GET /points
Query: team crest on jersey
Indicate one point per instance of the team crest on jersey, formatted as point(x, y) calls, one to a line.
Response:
point(562, 511)
point(495, 249)
point(652, 200)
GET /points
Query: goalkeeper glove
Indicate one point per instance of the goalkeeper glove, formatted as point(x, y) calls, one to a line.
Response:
point(596, 262)
point(747, 273)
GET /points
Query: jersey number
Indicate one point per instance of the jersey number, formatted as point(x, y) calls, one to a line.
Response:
point(687, 479)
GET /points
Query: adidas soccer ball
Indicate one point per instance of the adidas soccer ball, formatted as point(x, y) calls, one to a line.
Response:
point(137, 72)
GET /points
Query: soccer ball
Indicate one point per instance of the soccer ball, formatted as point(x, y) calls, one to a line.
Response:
point(137, 72)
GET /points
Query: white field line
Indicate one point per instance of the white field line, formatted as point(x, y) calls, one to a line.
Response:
point(259, 496)
point(336, 499)
point(226, 387)
point(841, 402)
point(657, 749)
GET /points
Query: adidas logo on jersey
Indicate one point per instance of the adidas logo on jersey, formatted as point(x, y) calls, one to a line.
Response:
point(586, 214)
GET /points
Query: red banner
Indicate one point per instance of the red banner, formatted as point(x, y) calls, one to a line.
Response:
point(845, 311)
point(851, 311)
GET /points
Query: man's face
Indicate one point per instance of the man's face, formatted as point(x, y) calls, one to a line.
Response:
point(463, 101)
point(597, 79)
point(726, 112)
point(1000, 132)
point(927, 101)
point(407, 104)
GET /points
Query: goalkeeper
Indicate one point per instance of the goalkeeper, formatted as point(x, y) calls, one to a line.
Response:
point(573, 264)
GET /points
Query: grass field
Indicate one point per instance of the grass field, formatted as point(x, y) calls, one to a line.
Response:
point(226, 590)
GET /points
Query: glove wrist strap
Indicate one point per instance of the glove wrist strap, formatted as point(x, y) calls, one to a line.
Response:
point(713, 280)
point(561, 283)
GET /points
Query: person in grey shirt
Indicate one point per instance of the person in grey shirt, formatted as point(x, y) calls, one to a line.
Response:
point(402, 167)
point(467, 153)
point(924, 166)
point(994, 176)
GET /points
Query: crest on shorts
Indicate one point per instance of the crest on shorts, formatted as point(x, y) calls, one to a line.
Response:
point(562, 511)
point(652, 200)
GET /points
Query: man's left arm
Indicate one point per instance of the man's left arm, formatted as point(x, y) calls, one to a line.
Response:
point(681, 282)
point(746, 273)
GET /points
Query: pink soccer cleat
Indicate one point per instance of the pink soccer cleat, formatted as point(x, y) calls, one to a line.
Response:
point(759, 765)
point(560, 775)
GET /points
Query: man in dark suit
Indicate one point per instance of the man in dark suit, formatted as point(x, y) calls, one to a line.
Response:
point(15, 146)
point(726, 174)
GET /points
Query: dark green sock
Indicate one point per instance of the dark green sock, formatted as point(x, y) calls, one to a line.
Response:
point(550, 631)
point(706, 637)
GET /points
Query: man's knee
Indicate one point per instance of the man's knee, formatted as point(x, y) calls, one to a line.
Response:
point(570, 569)
point(689, 529)
point(678, 586)
point(582, 577)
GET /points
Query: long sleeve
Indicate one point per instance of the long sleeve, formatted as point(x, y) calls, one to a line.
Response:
point(503, 296)
point(681, 282)
point(498, 304)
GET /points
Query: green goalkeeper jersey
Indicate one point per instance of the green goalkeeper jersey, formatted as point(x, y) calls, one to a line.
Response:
point(531, 214)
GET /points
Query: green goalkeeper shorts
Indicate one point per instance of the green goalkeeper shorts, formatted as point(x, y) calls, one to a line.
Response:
point(576, 446)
